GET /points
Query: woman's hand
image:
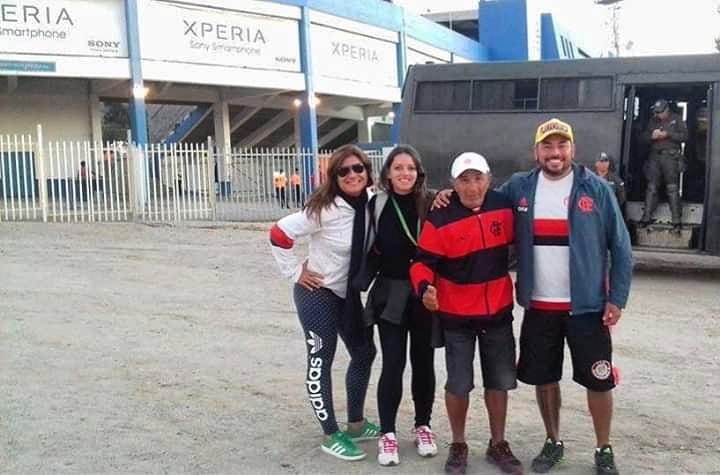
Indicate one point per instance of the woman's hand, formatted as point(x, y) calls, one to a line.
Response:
point(309, 279)
point(442, 199)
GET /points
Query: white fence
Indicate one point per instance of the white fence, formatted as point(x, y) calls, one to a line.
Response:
point(177, 181)
point(65, 181)
point(264, 184)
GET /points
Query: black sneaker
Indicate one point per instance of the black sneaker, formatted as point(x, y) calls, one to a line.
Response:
point(550, 455)
point(605, 461)
point(501, 455)
point(457, 459)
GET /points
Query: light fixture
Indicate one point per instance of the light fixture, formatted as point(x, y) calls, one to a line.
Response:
point(315, 102)
point(391, 115)
point(140, 92)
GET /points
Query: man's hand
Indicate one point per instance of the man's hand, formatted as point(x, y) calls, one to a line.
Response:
point(612, 314)
point(442, 199)
point(429, 298)
point(659, 134)
point(309, 279)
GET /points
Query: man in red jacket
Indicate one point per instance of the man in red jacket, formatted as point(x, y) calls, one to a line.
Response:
point(461, 273)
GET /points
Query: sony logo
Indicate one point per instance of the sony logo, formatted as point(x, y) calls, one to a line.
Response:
point(103, 44)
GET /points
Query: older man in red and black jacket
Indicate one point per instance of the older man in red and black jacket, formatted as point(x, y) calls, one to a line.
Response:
point(461, 273)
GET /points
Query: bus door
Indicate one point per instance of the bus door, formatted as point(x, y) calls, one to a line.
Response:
point(629, 117)
point(710, 233)
point(689, 103)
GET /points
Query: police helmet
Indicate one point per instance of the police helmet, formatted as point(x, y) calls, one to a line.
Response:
point(660, 105)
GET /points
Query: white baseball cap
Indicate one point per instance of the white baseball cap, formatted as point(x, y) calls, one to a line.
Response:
point(469, 161)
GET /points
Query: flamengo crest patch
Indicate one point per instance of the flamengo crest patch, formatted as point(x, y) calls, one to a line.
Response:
point(602, 369)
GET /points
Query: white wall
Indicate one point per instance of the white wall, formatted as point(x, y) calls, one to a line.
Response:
point(60, 105)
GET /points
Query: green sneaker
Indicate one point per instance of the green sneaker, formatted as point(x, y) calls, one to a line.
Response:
point(605, 461)
point(368, 431)
point(550, 455)
point(339, 445)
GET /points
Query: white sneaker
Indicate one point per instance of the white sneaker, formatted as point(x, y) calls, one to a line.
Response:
point(388, 450)
point(425, 442)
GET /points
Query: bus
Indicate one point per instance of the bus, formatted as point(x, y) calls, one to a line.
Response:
point(494, 109)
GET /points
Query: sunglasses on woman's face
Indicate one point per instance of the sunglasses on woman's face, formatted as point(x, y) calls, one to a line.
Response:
point(358, 168)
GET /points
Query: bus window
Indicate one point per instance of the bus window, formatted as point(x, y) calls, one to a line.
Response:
point(505, 95)
point(576, 93)
point(443, 96)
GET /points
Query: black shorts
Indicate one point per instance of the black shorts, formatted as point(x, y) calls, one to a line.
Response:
point(542, 346)
point(497, 358)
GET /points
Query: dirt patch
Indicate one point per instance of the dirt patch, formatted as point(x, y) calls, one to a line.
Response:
point(131, 348)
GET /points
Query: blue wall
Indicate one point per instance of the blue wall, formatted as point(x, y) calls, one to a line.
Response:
point(394, 18)
point(549, 44)
point(502, 27)
point(557, 42)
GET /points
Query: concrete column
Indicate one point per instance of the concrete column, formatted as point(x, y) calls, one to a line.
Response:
point(138, 114)
point(296, 131)
point(402, 69)
point(365, 130)
point(223, 146)
point(96, 117)
point(306, 111)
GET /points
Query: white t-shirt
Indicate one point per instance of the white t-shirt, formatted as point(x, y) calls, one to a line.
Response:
point(551, 254)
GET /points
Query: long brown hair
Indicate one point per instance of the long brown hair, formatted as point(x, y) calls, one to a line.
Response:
point(324, 196)
point(419, 191)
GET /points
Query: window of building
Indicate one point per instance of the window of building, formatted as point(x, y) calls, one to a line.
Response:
point(443, 96)
point(505, 95)
point(576, 93)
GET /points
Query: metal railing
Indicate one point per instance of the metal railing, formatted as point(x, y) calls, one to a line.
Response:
point(177, 182)
point(82, 181)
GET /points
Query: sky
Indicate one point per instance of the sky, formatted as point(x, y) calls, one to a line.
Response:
point(647, 27)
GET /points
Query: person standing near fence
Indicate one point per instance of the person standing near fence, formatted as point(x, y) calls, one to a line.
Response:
point(296, 183)
point(280, 180)
point(397, 212)
point(327, 302)
point(84, 180)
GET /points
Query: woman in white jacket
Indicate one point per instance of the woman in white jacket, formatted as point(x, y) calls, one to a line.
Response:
point(328, 305)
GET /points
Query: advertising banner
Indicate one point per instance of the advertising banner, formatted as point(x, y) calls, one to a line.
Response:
point(212, 36)
point(63, 27)
point(344, 55)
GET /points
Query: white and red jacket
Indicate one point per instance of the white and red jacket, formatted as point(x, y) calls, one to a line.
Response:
point(329, 249)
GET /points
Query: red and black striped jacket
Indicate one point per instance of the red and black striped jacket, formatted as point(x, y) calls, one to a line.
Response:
point(464, 253)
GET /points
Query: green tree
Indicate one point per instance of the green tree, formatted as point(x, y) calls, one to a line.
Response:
point(116, 122)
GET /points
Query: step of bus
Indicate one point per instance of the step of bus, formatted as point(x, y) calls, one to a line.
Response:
point(661, 235)
point(691, 212)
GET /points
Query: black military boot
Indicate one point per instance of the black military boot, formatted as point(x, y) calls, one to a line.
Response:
point(651, 199)
point(675, 207)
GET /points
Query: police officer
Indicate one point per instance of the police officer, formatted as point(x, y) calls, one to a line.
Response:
point(604, 168)
point(665, 133)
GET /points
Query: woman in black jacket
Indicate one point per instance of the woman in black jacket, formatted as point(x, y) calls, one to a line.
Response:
point(397, 212)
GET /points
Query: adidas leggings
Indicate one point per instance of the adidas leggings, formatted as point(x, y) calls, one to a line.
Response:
point(320, 312)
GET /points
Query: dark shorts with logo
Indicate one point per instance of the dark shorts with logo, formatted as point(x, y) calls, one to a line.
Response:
point(496, 343)
point(542, 348)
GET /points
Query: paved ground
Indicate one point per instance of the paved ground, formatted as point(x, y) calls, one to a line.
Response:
point(135, 349)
